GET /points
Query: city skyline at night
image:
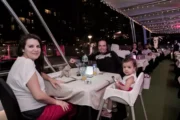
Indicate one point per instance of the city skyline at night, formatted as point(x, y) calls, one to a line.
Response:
point(70, 21)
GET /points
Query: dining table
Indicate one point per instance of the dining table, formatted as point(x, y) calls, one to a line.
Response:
point(82, 92)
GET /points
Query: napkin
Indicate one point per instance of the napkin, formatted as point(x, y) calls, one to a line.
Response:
point(62, 91)
point(65, 71)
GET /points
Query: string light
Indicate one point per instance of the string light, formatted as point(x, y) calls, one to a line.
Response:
point(153, 4)
point(170, 26)
point(161, 19)
point(158, 13)
point(159, 27)
point(120, 11)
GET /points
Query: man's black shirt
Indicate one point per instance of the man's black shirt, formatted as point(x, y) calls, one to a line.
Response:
point(108, 62)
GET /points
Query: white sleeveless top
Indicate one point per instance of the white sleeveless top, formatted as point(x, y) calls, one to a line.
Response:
point(18, 77)
point(125, 78)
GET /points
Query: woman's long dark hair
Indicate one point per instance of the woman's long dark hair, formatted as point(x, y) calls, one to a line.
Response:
point(38, 62)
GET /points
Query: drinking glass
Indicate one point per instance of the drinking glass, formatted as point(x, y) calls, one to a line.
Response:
point(78, 65)
point(82, 72)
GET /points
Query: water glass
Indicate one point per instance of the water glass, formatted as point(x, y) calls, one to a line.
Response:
point(82, 73)
point(78, 65)
point(82, 70)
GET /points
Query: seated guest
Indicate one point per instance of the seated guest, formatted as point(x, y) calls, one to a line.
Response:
point(106, 60)
point(152, 48)
point(146, 50)
point(26, 79)
point(140, 47)
point(135, 49)
point(176, 46)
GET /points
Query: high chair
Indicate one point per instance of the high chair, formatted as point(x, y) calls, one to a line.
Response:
point(3, 115)
point(125, 97)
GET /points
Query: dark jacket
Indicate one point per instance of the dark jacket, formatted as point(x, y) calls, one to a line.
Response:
point(176, 47)
point(138, 52)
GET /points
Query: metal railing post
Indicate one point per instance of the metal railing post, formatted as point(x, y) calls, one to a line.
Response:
point(132, 30)
point(145, 35)
point(6, 4)
point(47, 29)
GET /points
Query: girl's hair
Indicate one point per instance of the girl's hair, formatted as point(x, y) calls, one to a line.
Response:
point(38, 62)
point(130, 59)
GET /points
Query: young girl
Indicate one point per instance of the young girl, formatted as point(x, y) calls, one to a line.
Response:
point(126, 84)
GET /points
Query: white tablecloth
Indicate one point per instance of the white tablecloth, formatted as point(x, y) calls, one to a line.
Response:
point(122, 53)
point(177, 56)
point(87, 94)
point(176, 53)
point(142, 63)
point(156, 54)
point(148, 57)
point(166, 52)
point(178, 62)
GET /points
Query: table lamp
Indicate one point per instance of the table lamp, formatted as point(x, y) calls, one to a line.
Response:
point(89, 71)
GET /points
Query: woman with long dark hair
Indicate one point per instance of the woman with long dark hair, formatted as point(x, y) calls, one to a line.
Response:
point(26, 79)
point(135, 50)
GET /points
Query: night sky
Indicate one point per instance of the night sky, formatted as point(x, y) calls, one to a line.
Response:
point(69, 20)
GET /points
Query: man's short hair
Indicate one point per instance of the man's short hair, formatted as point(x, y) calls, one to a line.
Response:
point(102, 40)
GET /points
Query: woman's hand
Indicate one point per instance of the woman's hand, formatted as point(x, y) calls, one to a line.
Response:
point(55, 83)
point(63, 104)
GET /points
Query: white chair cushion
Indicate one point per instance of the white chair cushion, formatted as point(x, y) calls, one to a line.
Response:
point(114, 47)
point(122, 53)
point(128, 96)
point(147, 82)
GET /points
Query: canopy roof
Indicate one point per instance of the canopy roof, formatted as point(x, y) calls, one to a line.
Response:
point(159, 16)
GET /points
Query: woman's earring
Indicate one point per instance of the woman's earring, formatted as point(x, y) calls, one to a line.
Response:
point(23, 51)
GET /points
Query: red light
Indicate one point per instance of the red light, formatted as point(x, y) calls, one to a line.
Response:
point(176, 26)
